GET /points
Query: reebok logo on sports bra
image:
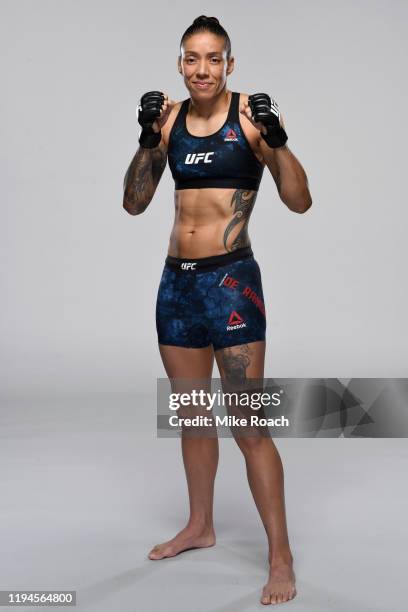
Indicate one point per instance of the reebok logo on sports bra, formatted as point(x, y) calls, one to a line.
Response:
point(223, 159)
point(231, 136)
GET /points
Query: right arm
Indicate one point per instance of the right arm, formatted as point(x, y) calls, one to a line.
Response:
point(142, 178)
point(150, 160)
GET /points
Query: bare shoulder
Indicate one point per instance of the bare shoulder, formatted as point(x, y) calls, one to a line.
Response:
point(251, 132)
point(166, 129)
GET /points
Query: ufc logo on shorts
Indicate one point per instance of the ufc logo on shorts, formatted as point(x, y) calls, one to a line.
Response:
point(188, 265)
point(195, 158)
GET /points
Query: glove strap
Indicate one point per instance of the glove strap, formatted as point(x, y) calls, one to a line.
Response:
point(275, 137)
point(149, 139)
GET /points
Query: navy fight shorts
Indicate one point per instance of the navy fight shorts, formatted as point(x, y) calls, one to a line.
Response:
point(213, 300)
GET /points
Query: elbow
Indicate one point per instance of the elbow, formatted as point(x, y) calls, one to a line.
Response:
point(134, 208)
point(299, 205)
point(306, 204)
point(132, 211)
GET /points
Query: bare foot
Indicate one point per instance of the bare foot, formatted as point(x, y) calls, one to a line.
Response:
point(280, 586)
point(186, 539)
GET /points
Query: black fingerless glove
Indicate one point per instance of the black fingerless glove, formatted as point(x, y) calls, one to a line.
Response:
point(266, 111)
point(148, 111)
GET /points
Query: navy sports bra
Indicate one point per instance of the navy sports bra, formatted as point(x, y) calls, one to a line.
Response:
point(223, 159)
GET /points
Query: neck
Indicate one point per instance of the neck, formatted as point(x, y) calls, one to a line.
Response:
point(206, 108)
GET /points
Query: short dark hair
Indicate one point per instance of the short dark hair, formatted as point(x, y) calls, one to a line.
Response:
point(207, 24)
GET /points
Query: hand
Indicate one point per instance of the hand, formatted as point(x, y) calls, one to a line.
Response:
point(164, 115)
point(264, 114)
point(153, 110)
point(245, 109)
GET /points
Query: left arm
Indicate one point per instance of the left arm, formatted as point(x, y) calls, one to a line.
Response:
point(288, 174)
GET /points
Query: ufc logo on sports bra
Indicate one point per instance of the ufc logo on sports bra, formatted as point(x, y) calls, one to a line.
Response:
point(195, 158)
point(188, 265)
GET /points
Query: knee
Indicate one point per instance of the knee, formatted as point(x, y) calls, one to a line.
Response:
point(252, 444)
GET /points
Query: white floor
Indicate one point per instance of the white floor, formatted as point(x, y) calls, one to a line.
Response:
point(87, 489)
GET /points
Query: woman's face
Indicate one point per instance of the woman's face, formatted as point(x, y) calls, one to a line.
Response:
point(204, 65)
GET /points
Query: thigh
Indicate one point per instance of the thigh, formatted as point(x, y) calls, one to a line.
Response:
point(241, 361)
point(241, 370)
point(190, 369)
point(180, 362)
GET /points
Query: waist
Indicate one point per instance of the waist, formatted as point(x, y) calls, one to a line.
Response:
point(204, 264)
point(248, 183)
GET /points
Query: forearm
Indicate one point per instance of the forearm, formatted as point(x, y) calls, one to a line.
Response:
point(291, 180)
point(142, 178)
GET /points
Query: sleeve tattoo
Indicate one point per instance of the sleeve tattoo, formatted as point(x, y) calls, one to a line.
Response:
point(142, 177)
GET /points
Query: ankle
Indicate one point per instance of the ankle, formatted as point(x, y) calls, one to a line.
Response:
point(279, 559)
point(201, 524)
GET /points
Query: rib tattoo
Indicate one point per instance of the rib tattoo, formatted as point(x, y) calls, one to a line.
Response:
point(243, 202)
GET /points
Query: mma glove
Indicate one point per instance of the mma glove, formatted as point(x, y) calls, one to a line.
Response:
point(148, 111)
point(266, 111)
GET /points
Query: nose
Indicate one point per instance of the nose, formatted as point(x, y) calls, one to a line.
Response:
point(202, 70)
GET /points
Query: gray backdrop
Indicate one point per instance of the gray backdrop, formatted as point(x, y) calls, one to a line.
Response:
point(80, 275)
point(86, 489)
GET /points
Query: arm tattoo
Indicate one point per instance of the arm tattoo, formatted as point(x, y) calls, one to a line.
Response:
point(243, 202)
point(143, 176)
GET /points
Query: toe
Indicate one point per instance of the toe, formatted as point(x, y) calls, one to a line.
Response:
point(153, 555)
point(292, 594)
point(266, 599)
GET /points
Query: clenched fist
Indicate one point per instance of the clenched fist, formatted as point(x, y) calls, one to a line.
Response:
point(152, 113)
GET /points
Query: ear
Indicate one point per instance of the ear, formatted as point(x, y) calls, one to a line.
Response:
point(231, 65)
point(179, 64)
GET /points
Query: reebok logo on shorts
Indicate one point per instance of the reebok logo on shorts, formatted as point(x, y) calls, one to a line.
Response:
point(235, 321)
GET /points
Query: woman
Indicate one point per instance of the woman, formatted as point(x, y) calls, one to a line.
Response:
point(210, 301)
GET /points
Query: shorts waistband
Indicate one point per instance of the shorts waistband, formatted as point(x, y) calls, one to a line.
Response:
point(204, 264)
